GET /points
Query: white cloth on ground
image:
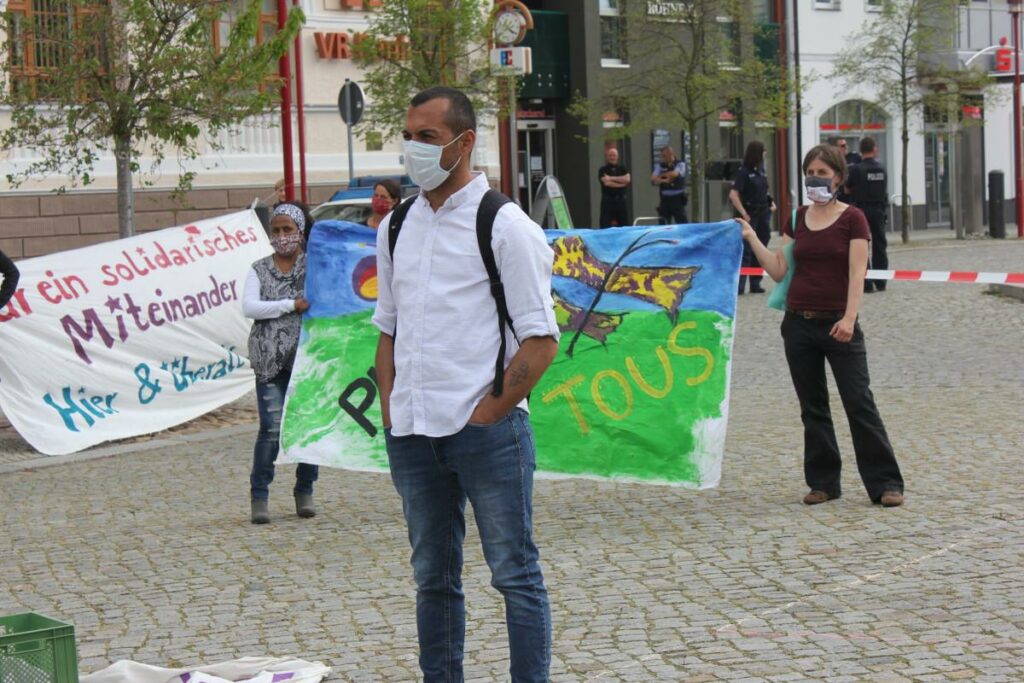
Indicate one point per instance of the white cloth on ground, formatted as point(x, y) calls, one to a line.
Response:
point(244, 670)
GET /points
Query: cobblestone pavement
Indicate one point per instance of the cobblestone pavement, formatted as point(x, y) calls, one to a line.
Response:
point(151, 555)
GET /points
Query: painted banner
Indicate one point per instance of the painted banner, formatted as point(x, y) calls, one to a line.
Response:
point(129, 337)
point(639, 390)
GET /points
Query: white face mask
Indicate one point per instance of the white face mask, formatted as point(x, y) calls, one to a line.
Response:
point(423, 163)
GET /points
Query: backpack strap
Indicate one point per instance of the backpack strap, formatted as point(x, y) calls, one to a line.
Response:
point(489, 206)
point(395, 224)
point(394, 227)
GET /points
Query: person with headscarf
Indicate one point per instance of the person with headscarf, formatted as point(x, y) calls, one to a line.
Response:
point(274, 299)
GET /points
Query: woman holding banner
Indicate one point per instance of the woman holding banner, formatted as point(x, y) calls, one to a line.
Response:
point(831, 256)
point(274, 300)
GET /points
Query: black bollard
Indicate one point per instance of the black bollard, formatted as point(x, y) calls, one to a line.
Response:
point(996, 216)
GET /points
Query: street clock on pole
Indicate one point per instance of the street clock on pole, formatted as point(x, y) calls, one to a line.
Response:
point(511, 19)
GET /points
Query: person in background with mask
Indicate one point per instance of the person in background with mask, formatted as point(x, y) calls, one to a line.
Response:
point(386, 195)
point(449, 438)
point(274, 299)
point(831, 254)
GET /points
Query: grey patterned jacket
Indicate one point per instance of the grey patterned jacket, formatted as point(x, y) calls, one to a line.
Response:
point(273, 341)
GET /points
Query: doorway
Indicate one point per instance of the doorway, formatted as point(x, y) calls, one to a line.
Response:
point(535, 160)
point(936, 178)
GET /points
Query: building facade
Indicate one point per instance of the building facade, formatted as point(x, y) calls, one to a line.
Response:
point(947, 169)
point(35, 221)
point(576, 46)
point(577, 43)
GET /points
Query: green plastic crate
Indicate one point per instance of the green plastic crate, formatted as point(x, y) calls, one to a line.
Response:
point(37, 649)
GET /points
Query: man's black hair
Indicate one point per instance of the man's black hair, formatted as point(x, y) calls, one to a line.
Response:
point(867, 145)
point(460, 116)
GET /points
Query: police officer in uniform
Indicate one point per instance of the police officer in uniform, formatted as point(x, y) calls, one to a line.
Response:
point(752, 202)
point(868, 189)
point(670, 177)
point(851, 159)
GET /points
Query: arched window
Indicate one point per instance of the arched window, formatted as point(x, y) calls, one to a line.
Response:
point(853, 118)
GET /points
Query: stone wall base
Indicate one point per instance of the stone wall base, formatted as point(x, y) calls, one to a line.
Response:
point(39, 224)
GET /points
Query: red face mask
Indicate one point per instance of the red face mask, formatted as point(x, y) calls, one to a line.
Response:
point(380, 206)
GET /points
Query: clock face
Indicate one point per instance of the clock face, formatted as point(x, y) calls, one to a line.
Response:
point(507, 27)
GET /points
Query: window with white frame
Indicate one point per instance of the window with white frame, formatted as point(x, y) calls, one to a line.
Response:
point(730, 45)
point(873, 5)
point(613, 34)
point(827, 4)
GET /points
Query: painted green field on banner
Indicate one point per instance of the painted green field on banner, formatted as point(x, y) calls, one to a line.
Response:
point(639, 390)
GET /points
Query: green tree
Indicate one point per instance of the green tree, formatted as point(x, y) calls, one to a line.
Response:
point(139, 76)
point(417, 44)
point(685, 68)
point(906, 52)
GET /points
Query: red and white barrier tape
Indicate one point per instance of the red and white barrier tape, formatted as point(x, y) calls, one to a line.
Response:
point(930, 276)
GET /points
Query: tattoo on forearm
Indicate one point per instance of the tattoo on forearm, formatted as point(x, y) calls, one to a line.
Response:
point(518, 374)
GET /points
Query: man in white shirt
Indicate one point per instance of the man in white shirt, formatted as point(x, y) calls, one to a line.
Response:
point(449, 438)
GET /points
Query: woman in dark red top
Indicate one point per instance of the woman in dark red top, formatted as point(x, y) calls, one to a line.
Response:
point(831, 255)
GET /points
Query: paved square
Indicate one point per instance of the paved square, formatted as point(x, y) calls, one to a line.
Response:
point(151, 556)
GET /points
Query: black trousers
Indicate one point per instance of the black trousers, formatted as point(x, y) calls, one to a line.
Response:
point(877, 217)
point(672, 209)
point(761, 222)
point(613, 212)
point(808, 346)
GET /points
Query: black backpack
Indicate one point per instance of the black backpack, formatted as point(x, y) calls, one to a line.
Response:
point(489, 206)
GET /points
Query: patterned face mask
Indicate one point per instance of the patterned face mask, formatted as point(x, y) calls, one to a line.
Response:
point(819, 190)
point(285, 245)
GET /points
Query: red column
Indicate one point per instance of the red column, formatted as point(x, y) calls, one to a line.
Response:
point(1018, 172)
point(300, 99)
point(285, 72)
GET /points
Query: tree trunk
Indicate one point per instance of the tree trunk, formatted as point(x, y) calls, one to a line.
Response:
point(904, 185)
point(695, 169)
point(125, 190)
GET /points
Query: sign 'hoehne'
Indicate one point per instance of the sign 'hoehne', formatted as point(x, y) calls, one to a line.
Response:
point(666, 9)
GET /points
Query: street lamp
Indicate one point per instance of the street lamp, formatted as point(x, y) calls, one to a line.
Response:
point(1015, 11)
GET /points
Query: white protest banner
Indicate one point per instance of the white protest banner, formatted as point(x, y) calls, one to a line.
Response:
point(128, 337)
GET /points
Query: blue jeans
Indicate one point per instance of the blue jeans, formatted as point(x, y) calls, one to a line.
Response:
point(270, 401)
point(491, 466)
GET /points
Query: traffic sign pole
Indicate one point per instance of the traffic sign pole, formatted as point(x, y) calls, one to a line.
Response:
point(348, 108)
point(513, 141)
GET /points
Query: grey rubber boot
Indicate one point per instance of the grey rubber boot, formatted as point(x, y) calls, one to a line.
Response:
point(304, 505)
point(260, 512)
